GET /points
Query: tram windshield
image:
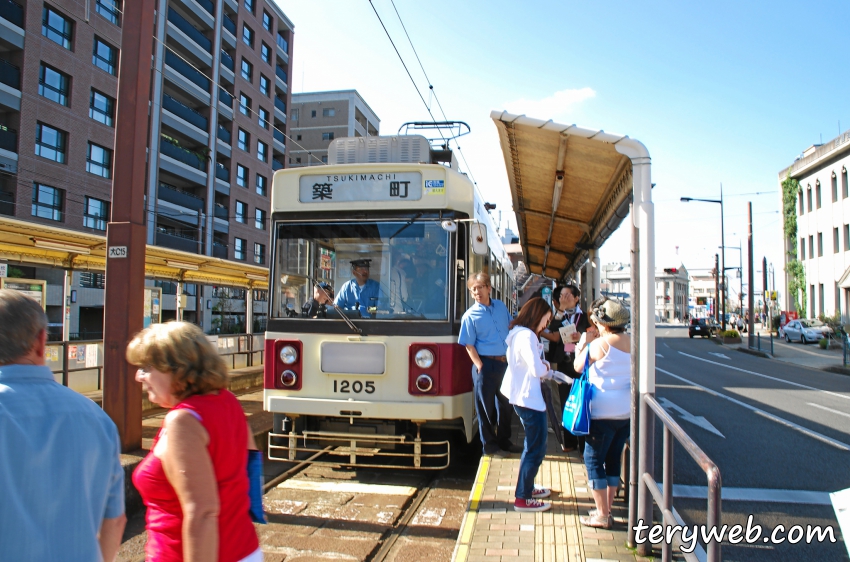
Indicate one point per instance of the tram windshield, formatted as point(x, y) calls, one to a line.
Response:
point(389, 270)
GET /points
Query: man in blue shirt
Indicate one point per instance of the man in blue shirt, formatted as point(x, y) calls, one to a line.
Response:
point(360, 293)
point(483, 330)
point(60, 471)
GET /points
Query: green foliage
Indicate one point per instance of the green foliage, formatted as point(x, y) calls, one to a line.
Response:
point(823, 343)
point(14, 272)
point(794, 267)
point(774, 322)
point(730, 334)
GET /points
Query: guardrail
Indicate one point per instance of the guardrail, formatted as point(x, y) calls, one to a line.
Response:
point(664, 498)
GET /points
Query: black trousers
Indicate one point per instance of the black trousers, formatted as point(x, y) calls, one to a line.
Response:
point(495, 413)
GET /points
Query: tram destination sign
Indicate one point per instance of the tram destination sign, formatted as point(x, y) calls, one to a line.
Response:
point(375, 186)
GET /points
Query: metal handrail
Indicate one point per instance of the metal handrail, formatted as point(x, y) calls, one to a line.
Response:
point(664, 499)
point(190, 30)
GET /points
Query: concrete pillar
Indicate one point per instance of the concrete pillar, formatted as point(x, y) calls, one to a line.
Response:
point(596, 275)
point(179, 304)
point(66, 305)
point(249, 310)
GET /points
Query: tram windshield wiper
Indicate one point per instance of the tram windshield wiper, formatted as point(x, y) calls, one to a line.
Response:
point(411, 221)
point(342, 315)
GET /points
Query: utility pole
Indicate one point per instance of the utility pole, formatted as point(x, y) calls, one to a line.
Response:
point(751, 338)
point(716, 286)
point(765, 290)
point(126, 232)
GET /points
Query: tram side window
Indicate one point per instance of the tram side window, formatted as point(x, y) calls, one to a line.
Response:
point(461, 293)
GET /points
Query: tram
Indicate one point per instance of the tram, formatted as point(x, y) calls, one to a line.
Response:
point(381, 382)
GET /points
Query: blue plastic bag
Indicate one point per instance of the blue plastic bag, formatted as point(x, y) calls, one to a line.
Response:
point(255, 491)
point(576, 417)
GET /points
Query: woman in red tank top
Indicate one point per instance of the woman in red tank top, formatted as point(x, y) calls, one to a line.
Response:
point(194, 481)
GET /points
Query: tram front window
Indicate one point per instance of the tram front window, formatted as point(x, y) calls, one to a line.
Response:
point(390, 270)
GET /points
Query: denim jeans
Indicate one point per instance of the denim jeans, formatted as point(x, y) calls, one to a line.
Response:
point(603, 448)
point(494, 410)
point(534, 449)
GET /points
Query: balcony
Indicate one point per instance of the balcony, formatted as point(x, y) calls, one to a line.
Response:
point(187, 71)
point(225, 97)
point(280, 104)
point(207, 5)
point(279, 136)
point(224, 135)
point(7, 203)
point(10, 74)
point(283, 43)
point(176, 241)
point(12, 12)
point(8, 139)
point(280, 73)
point(222, 172)
point(185, 112)
point(190, 30)
point(182, 155)
point(219, 250)
point(227, 61)
point(179, 197)
point(228, 24)
point(276, 164)
point(220, 212)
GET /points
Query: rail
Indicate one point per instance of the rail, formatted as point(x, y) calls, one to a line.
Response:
point(185, 112)
point(187, 71)
point(225, 97)
point(10, 74)
point(227, 60)
point(664, 498)
point(281, 73)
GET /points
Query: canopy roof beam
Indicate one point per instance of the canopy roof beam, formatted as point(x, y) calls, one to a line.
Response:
point(556, 192)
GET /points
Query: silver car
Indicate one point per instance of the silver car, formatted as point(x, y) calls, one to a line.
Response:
point(805, 331)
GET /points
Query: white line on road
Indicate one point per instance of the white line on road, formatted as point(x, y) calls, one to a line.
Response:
point(687, 416)
point(755, 495)
point(766, 376)
point(841, 506)
point(718, 355)
point(846, 415)
point(819, 436)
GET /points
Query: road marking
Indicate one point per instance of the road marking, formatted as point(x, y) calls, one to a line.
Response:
point(841, 506)
point(719, 355)
point(819, 436)
point(348, 488)
point(846, 415)
point(766, 376)
point(687, 416)
point(756, 495)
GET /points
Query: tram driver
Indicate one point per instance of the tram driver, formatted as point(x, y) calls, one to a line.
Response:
point(317, 306)
point(359, 293)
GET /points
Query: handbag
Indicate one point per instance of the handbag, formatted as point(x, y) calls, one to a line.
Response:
point(255, 490)
point(576, 418)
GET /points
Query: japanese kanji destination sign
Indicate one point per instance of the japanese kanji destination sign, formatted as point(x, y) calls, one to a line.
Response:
point(389, 186)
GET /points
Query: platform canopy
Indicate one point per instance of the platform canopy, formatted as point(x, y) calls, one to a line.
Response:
point(570, 187)
point(31, 243)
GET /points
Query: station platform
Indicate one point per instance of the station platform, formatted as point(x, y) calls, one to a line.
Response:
point(492, 531)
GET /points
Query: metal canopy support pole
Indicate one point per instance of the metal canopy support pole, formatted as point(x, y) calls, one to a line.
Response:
point(751, 273)
point(595, 275)
point(249, 310)
point(126, 232)
point(723, 283)
point(716, 286)
point(66, 305)
point(179, 305)
point(634, 442)
point(644, 220)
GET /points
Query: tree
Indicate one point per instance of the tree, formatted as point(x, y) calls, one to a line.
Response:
point(793, 266)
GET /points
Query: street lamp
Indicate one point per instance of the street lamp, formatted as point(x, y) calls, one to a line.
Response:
point(722, 245)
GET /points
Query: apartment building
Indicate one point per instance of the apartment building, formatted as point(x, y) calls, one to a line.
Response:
point(671, 289)
point(317, 118)
point(218, 120)
point(823, 227)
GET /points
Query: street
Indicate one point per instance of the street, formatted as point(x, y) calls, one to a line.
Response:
point(778, 432)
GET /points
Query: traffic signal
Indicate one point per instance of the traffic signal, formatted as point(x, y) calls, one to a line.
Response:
point(671, 270)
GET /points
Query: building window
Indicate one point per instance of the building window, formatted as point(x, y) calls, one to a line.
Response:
point(817, 193)
point(108, 9)
point(263, 118)
point(247, 35)
point(259, 219)
point(312, 113)
point(325, 159)
point(802, 249)
point(836, 242)
point(47, 202)
point(247, 70)
point(264, 85)
point(811, 247)
point(844, 189)
point(820, 299)
point(244, 104)
point(298, 160)
point(800, 197)
point(297, 137)
point(50, 143)
point(812, 301)
point(294, 115)
point(834, 187)
point(809, 198)
point(328, 112)
point(53, 85)
point(846, 237)
point(239, 249)
point(243, 139)
point(820, 244)
point(266, 53)
point(102, 108)
point(261, 185)
point(259, 253)
point(249, 5)
point(267, 21)
point(99, 161)
point(91, 280)
point(327, 136)
point(96, 214)
point(105, 56)
point(262, 151)
point(241, 212)
point(56, 27)
point(241, 175)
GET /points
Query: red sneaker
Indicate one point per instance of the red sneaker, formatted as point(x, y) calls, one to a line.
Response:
point(540, 493)
point(531, 505)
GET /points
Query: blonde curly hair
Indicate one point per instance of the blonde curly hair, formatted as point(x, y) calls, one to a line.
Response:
point(182, 350)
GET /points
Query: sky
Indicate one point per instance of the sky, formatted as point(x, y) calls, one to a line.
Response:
point(720, 93)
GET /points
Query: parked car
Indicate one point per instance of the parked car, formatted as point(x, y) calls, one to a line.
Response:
point(805, 331)
point(700, 327)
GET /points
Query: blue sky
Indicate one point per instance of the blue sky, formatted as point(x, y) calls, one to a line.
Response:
point(718, 92)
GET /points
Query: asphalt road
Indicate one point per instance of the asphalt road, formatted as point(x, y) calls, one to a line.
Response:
point(779, 433)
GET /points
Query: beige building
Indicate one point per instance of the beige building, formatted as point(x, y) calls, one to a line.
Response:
point(671, 289)
point(317, 118)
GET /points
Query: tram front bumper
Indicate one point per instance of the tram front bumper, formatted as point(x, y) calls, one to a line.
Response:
point(294, 405)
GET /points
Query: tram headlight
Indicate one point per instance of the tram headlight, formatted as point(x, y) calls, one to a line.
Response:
point(288, 378)
point(288, 355)
point(424, 358)
point(424, 383)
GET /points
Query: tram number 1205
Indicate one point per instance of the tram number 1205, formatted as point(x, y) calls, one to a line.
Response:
point(356, 387)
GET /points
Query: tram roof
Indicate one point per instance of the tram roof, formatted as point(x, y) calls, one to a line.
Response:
point(570, 187)
point(38, 244)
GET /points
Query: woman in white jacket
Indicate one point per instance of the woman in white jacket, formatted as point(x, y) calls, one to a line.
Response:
point(521, 385)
